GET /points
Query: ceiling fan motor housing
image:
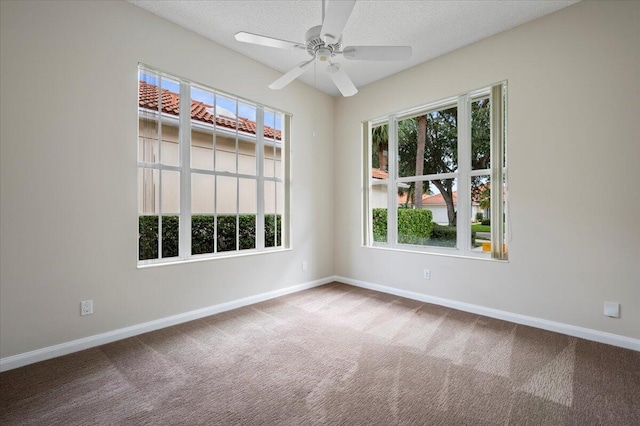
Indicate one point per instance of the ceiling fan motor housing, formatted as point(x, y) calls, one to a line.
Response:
point(316, 47)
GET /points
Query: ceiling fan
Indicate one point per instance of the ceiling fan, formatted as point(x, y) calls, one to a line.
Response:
point(324, 42)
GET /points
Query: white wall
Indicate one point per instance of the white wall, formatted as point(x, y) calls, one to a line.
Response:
point(68, 179)
point(574, 103)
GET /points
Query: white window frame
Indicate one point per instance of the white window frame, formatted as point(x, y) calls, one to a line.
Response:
point(462, 176)
point(186, 124)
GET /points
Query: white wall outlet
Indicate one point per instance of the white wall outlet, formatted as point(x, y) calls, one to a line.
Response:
point(305, 266)
point(86, 307)
point(612, 309)
point(427, 274)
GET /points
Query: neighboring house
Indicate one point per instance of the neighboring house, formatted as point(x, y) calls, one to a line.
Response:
point(378, 196)
point(438, 207)
point(202, 155)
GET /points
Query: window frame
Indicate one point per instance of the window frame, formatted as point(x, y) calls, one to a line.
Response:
point(186, 125)
point(463, 175)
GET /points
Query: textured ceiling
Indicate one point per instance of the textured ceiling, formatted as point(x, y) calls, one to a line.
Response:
point(431, 28)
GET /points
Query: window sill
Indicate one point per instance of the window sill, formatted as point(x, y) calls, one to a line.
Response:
point(202, 258)
point(446, 252)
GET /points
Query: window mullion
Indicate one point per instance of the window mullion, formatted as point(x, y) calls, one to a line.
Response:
point(160, 170)
point(184, 136)
point(497, 177)
point(260, 244)
point(392, 197)
point(286, 163)
point(463, 238)
point(367, 228)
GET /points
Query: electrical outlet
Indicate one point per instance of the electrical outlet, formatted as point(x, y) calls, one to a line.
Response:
point(304, 265)
point(612, 309)
point(86, 307)
point(427, 274)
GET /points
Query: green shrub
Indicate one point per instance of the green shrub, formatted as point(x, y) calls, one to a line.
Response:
point(271, 224)
point(148, 237)
point(414, 226)
point(479, 216)
point(441, 232)
point(170, 235)
point(203, 234)
point(379, 225)
point(486, 221)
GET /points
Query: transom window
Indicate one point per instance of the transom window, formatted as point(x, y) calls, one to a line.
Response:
point(212, 172)
point(432, 174)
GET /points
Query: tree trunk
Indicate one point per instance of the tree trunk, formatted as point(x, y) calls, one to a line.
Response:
point(422, 140)
point(447, 194)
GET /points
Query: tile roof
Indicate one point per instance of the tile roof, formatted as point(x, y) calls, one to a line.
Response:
point(379, 174)
point(438, 199)
point(433, 200)
point(148, 98)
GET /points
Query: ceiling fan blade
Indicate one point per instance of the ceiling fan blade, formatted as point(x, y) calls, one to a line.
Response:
point(336, 16)
point(267, 41)
point(377, 53)
point(291, 75)
point(342, 80)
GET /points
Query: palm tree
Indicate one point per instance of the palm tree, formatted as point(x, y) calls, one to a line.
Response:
point(484, 200)
point(380, 145)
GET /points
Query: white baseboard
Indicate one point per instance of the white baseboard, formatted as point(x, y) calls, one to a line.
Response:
point(43, 354)
point(15, 361)
point(570, 330)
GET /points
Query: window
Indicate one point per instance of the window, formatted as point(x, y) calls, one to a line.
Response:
point(212, 172)
point(430, 172)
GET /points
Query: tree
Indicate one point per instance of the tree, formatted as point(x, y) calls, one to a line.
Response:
point(422, 141)
point(380, 145)
point(484, 200)
point(428, 144)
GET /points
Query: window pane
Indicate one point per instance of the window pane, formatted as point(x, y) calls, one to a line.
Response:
point(202, 213)
point(481, 214)
point(428, 143)
point(480, 134)
point(148, 104)
point(226, 120)
point(246, 130)
point(148, 191)
point(202, 193)
point(248, 212)
point(271, 136)
point(170, 235)
point(226, 207)
point(202, 126)
point(379, 151)
point(147, 237)
point(148, 213)
point(170, 192)
point(273, 214)
point(378, 201)
point(170, 208)
point(431, 220)
point(170, 106)
point(279, 212)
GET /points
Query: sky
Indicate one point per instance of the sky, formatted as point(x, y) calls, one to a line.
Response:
point(244, 110)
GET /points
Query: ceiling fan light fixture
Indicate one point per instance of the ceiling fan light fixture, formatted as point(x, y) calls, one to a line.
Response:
point(323, 54)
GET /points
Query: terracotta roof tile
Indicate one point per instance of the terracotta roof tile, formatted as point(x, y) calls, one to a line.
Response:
point(379, 174)
point(148, 98)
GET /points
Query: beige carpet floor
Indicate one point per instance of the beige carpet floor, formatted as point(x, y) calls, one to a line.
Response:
point(335, 354)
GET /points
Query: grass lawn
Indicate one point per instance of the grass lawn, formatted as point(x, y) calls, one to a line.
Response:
point(481, 228)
